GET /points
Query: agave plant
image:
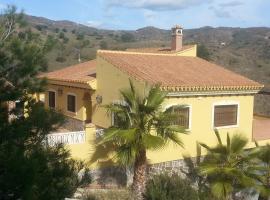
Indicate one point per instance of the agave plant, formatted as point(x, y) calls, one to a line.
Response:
point(141, 125)
point(227, 167)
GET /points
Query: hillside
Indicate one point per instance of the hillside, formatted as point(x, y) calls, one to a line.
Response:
point(243, 50)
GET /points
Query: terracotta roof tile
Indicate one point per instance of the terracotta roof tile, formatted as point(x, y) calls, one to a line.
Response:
point(177, 71)
point(80, 73)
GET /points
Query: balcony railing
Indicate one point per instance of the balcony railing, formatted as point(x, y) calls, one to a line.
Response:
point(77, 137)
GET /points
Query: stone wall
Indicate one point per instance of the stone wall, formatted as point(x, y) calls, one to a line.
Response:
point(170, 167)
point(109, 177)
point(121, 177)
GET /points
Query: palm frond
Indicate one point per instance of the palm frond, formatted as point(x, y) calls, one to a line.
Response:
point(218, 136)
point(153, 142)
point(238, 143)
point(155, 97)
point(221, 190)
point(199, 153)
point(205, 146)
point(125, 155)
point(119, 136)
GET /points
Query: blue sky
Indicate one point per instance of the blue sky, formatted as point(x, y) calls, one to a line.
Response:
point(134, 14)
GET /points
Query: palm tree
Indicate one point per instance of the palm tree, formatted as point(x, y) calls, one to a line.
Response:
point(228, 166)
point(263, 171)
point(140, 125)
point(193, 174)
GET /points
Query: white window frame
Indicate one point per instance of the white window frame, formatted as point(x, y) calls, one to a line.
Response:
point(71, 94)
point(190, 113)
point(225, 103)
point(55, 94)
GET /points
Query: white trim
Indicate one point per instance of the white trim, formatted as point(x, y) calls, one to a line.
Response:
point(55, 94)
point(71, 94)
point(211, 93)
point(189, 115)
point(225, 103)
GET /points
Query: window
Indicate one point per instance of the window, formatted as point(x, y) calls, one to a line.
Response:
point(225, 115)
point(51, 99)
point(183, 116)
point(71, 103)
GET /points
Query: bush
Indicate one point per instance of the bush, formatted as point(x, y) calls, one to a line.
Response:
point(203, 52)
point(127, 37)
point(62, 35)
point(60, 59)
point(165, 187)
point(80, 36)
point(73, 31)
point(103, 45)
point(65, 40)
point(86, 178)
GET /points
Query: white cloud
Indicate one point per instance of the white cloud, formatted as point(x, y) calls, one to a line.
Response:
point(95, 24)
point(222, 13)
point(155, 5)
point(150, 15)
point(232, 4)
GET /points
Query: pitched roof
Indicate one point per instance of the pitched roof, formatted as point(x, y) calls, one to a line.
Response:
point(80, 73)
point(178, 72)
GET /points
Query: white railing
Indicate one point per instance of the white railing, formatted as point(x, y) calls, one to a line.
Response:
point(77, 137)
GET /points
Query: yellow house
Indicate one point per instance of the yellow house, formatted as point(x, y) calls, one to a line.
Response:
point(214, 97)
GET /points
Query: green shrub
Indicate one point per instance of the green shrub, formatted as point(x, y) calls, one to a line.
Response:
point(61, 59)
point(165, 187)
point(127, 37)
point(80, 36)
point(203, 52)
point(86, 178)
point(103, 44)
point(61, 35)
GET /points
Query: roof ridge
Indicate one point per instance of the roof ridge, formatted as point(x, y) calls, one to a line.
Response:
point(139, 53)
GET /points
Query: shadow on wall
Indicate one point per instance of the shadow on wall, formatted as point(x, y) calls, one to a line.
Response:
point(108, 174)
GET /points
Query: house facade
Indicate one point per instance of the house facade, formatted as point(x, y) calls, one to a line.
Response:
point(211, 97)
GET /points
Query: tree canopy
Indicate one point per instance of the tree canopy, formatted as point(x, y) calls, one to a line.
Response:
point(29, 168)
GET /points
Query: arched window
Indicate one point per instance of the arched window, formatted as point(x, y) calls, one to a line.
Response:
point(183, 115)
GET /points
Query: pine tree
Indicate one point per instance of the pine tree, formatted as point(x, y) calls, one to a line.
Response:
point(29, 169)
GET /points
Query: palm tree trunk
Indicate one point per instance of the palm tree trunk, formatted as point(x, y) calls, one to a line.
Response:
point(139, 178)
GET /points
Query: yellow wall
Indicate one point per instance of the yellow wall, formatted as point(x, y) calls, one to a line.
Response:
point(84, 151)
point(111, 80)
point(189, 52)
point(202, 124)
point(61, 101)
